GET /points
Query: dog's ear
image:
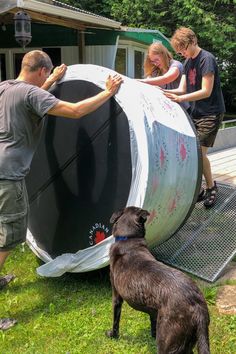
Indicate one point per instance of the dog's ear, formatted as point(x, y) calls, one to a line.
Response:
point(142, 216)
point(116, 215)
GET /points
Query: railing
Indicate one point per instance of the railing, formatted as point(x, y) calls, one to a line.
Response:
point(224, 124)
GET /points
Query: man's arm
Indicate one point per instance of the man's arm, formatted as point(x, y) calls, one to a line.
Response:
point(181, 89)
point(57, 74)
point(204, 92)
point(79, 109)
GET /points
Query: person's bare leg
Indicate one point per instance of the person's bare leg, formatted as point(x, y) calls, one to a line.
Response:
point(206, 168)
point(3, 257)
point(5, 279)
point(6, 323)
point(211, 187)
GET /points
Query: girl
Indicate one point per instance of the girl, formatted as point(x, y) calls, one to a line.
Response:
point(160, 68)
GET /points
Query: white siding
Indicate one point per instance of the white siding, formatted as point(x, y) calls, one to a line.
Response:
point(70, 55)
point(103, 55)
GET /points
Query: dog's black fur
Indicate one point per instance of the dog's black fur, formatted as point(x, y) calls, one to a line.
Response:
point(177, 309)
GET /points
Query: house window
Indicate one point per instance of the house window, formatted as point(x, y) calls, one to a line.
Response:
point(121, 63)
point(138, 64)
point(2, 67)
point(55, 55)
point(17, 59)
point(129, 59)
point(10, 60)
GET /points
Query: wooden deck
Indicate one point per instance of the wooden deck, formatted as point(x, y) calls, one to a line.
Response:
point(223, 165)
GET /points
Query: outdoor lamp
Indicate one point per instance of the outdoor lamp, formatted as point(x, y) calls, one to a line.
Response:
point(22, 28)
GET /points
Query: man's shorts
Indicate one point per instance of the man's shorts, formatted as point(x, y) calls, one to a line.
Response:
point(13, 213)
point(207, 128)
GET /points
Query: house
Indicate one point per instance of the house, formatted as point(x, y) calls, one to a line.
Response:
point(71, 35)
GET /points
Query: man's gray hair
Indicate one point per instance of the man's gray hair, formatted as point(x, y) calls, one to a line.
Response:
point(36, 59)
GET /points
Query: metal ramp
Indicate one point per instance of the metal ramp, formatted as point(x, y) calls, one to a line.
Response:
point(206, 243)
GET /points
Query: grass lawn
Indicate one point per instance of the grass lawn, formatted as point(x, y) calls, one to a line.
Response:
point(70, 315)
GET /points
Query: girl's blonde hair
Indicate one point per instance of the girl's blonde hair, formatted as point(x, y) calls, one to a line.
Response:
point(160, 49)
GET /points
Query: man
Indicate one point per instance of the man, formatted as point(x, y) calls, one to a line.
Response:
point(23, 104)
point(200, 85)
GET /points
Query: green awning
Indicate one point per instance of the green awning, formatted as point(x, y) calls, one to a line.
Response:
point(145, 36)
point(108, 37)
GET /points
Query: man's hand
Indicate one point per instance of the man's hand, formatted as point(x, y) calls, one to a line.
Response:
point(58, 72)
point(113, 83)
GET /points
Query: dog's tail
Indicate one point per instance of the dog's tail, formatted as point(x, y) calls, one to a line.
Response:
point(203, 343)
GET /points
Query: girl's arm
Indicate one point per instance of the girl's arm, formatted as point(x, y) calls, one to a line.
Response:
point(171, 75)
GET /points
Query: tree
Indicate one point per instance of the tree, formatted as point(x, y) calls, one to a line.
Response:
point(101, 7)
point(214, 22)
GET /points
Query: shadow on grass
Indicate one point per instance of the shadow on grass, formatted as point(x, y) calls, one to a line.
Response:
point(54, 296)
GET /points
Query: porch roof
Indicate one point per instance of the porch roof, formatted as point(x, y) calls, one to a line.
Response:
point(55, 12)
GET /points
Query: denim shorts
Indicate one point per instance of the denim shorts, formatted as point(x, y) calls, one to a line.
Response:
point(207, 128)
point(13, 213)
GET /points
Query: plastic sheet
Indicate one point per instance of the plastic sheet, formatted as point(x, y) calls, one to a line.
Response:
point(138, 149)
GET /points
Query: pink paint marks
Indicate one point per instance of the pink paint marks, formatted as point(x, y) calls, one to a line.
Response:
point(155, 184)
point(183, 152)
point(152, 216)
point(172, 205)
point(162, 157)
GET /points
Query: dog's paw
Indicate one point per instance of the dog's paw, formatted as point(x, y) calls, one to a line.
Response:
point(112, 334)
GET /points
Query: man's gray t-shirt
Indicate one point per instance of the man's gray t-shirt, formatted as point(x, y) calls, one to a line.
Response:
point(22, 109)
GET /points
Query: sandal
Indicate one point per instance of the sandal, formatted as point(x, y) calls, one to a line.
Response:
point(6, 323)
point(201, 195)
point(5, 280)
point(210, 198)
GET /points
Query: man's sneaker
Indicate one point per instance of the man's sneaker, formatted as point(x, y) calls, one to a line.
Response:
point(5, 280)
point(211, 194)
point(6, 323)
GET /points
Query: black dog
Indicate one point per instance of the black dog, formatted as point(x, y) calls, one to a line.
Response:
point(177, 309)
